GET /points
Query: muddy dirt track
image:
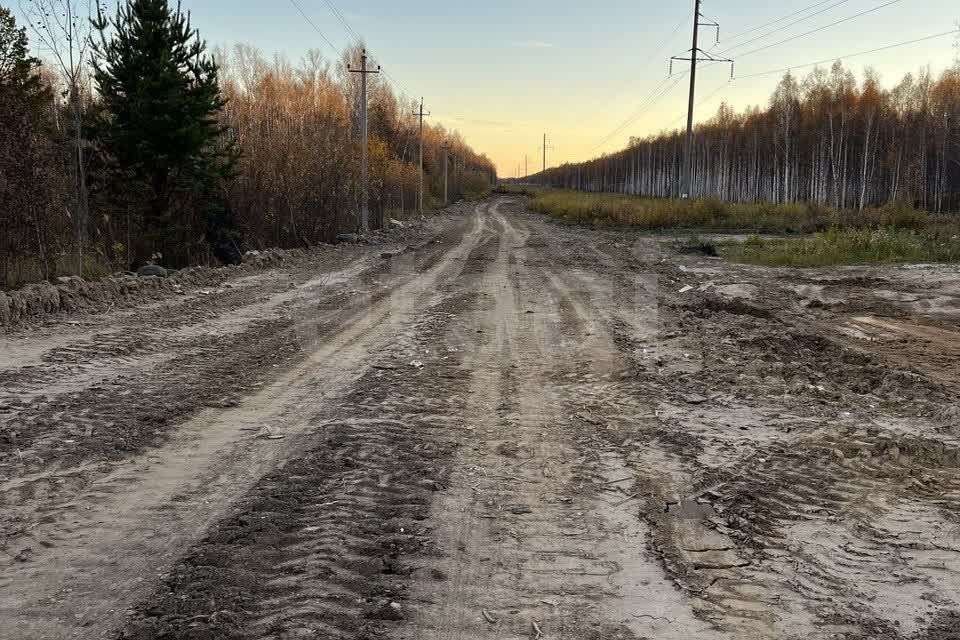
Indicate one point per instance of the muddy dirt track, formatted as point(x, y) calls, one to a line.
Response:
point(514, 429)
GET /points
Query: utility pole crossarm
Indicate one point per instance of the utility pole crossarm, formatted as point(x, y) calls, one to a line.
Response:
point(708, 58)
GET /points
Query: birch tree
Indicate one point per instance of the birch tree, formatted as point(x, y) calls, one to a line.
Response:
point(63, 28)
point(828, 139)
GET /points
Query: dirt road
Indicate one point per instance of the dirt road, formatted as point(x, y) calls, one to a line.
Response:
point(514, 429)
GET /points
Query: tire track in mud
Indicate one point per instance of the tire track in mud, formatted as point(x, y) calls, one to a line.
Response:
point(825, 509)
point(618, 415)
point(689, 452)
point(136, 517)
point(135, 408)
point(827, 546)
point(75, 439)
point(322, 547)
point(529, 540)
point(144, 339)
point(146, 355)
point(585, 453)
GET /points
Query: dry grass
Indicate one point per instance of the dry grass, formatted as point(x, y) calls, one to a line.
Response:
point(847, 246)
point(893, 233)
point(607, 209)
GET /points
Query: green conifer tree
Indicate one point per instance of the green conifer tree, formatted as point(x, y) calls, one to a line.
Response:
point(160, 100)
point(31, 186)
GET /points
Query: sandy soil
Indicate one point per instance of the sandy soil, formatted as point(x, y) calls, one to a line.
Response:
point(514, 429)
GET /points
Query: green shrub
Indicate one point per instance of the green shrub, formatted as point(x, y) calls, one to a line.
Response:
point(849, 245)
point(654, 214)
point(903, 215)
point(475, 185)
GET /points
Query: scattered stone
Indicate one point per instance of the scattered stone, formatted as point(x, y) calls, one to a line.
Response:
point(149, 270)
point(387, 611)
point(24, 555)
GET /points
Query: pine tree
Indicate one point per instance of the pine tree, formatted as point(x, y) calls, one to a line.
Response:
point(159, 126)
point(31, 188)
point(15, 65)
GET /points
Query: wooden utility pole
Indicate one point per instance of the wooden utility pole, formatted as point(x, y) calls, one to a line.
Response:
point(695, 52)
point(365, 161)
point(446, 164)
point(421, 114)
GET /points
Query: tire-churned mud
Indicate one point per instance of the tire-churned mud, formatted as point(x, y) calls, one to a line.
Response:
point(512, 429)
point(324, 544)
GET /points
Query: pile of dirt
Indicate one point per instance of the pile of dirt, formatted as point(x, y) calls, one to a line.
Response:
point(271, 257)
point(72, 294)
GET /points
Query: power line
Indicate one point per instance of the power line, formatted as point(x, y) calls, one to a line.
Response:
point(663, 45)
point(666, 42)
point(315, 27)
point(850, 55)
point(398, 86)
point(655, 96)
point(658, 98)
point(714, 92)
point(812, 64)
point(786, 17)
point(651, 100)
point(346, 25)
point(786, 26)
point(826, 26)
point(343, 21)
point(703, 101)
point(632, 118)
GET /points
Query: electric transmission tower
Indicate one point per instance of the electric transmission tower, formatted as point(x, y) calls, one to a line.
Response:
point(695, 56)
point(544, 148)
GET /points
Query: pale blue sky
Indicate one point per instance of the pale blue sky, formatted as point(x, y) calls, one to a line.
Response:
point(503, 72)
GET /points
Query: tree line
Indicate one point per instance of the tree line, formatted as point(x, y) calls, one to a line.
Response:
point(133, 143)
point(826, 138)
